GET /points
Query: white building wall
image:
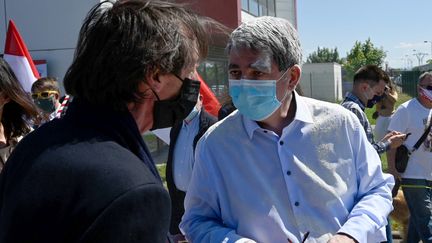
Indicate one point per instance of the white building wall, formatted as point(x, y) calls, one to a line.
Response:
point(338, 82)
point(286, 9)
point(49, 28)
point(322, 81)
point(2, 26)
point(245, 16)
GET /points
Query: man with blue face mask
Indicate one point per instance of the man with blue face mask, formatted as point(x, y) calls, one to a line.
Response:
point(368, 87)
point(283, 168)
point(369, 83)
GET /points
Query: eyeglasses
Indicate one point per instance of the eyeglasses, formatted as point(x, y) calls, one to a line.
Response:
point(43, 94)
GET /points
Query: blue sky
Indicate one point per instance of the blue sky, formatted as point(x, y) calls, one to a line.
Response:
point(398, 26)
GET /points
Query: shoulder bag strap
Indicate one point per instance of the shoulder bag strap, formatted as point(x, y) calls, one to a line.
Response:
point(425, 134)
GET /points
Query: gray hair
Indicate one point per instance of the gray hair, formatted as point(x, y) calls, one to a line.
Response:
point(425, 75)
point(272, 35)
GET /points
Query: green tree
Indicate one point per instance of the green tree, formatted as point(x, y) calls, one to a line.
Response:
point(323, 55)
point(363, 54)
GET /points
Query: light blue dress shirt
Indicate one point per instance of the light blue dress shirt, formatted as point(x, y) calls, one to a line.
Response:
point(183, 158)
point(321, 176)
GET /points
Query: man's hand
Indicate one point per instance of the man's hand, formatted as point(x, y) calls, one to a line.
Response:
point(342, 238)
point(395, 139)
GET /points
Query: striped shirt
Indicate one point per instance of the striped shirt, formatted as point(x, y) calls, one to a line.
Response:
point(353, 103)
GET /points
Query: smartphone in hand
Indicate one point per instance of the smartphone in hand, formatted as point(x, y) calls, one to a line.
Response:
point(407, 135)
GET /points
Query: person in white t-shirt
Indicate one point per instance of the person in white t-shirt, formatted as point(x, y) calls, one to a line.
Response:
point(413, 117)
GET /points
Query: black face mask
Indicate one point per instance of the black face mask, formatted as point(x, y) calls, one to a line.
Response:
point(374, 100)
point(167, 112)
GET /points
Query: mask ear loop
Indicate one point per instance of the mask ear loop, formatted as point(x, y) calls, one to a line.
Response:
point(365, 93)
point(182, 80)
point(286, 91)
point(157, 96)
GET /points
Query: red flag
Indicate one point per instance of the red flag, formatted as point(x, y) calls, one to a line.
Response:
point(19, 59)
point(210, 102)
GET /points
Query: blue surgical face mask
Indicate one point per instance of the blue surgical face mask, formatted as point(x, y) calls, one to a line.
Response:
point(255, 99)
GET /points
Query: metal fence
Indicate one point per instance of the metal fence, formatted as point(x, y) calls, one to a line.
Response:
point(408, 83)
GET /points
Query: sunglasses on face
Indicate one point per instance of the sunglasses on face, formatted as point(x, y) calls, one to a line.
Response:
point(43, 94)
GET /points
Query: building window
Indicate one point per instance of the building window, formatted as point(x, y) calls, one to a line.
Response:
point(253, 7)
point(215, 73)
point(245, 4)
point(259, 7)
point(271, 8)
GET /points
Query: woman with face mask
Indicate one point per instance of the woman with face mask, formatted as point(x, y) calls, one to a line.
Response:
point(17, 111)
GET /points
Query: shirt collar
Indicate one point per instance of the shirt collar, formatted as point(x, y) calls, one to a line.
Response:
point(302, 114)
point(191, 119)
point(351, 97)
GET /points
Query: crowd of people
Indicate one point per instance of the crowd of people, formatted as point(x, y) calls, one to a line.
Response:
point(276, 167)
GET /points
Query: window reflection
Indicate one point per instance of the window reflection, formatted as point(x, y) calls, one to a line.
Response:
point(259, 7)
point(215, 74)
point(253, 7)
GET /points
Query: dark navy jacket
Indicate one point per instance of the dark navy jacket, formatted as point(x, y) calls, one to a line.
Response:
point(84, 178)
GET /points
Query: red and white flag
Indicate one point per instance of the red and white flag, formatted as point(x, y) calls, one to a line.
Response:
point(19, 59)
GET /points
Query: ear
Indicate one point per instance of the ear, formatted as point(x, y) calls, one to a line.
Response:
point(152, 80)
point(295, 74)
